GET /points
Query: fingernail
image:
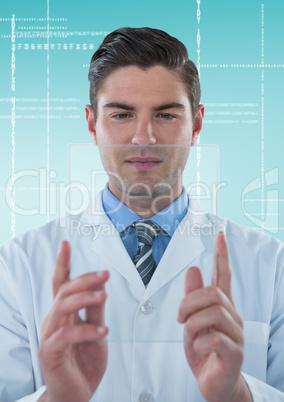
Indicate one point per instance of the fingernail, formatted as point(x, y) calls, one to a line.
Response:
point(98, 293)
point(101, 330)
point(100, 273)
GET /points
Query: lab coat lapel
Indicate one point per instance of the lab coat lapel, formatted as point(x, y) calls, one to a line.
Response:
point(185, 246)
point(107, 244)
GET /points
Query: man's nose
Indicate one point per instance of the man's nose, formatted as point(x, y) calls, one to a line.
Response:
point(144, 133)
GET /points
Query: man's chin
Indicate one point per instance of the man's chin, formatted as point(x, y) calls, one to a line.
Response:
point(147, 191)
point(148, 188)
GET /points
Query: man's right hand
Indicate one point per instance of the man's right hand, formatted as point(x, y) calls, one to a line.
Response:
point(72, 352)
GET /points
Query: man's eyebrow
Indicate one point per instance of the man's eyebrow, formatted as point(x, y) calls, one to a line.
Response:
point(171, 105)
point(124, 106)
point(119, 105)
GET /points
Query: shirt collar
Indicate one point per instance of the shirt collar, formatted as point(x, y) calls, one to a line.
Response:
point(122, 216)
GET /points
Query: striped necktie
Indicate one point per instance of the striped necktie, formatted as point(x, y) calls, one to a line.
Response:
point(146, 232)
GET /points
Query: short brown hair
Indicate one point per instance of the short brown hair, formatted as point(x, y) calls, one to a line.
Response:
point(144, 48)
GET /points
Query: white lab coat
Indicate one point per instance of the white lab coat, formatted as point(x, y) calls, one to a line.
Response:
point(146, 358)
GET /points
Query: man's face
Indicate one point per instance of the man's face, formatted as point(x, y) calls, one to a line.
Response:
point(144, 130)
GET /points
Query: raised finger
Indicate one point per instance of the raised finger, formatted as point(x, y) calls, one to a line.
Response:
point(204, 298)
point(72, 304)
point(62, 267)
point(221, 344)
point(69, 335)
point(222, 271)
point(61, 311)
point(217, 318)
point(193, 280)
point(90, 281)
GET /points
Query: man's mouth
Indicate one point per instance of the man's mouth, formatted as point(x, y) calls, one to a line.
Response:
point(143, 163)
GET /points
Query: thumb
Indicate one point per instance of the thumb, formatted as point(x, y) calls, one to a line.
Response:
point(193, 280)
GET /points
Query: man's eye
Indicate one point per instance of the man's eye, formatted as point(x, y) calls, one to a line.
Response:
point(121, 116)
point(166, 116)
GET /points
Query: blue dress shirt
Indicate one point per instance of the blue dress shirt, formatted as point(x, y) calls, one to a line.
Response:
point(122, 217)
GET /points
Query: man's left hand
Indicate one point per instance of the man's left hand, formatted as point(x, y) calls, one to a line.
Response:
point(213, 332)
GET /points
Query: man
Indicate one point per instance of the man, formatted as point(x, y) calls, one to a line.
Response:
point(151, 329)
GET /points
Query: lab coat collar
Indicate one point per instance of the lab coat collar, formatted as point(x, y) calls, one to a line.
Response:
point(95, 214)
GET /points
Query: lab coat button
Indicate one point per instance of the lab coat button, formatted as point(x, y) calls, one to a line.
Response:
point(146, 397)
point(147, 307)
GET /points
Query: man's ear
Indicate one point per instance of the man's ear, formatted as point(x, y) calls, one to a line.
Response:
point(91, 122)
point(197, 124)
